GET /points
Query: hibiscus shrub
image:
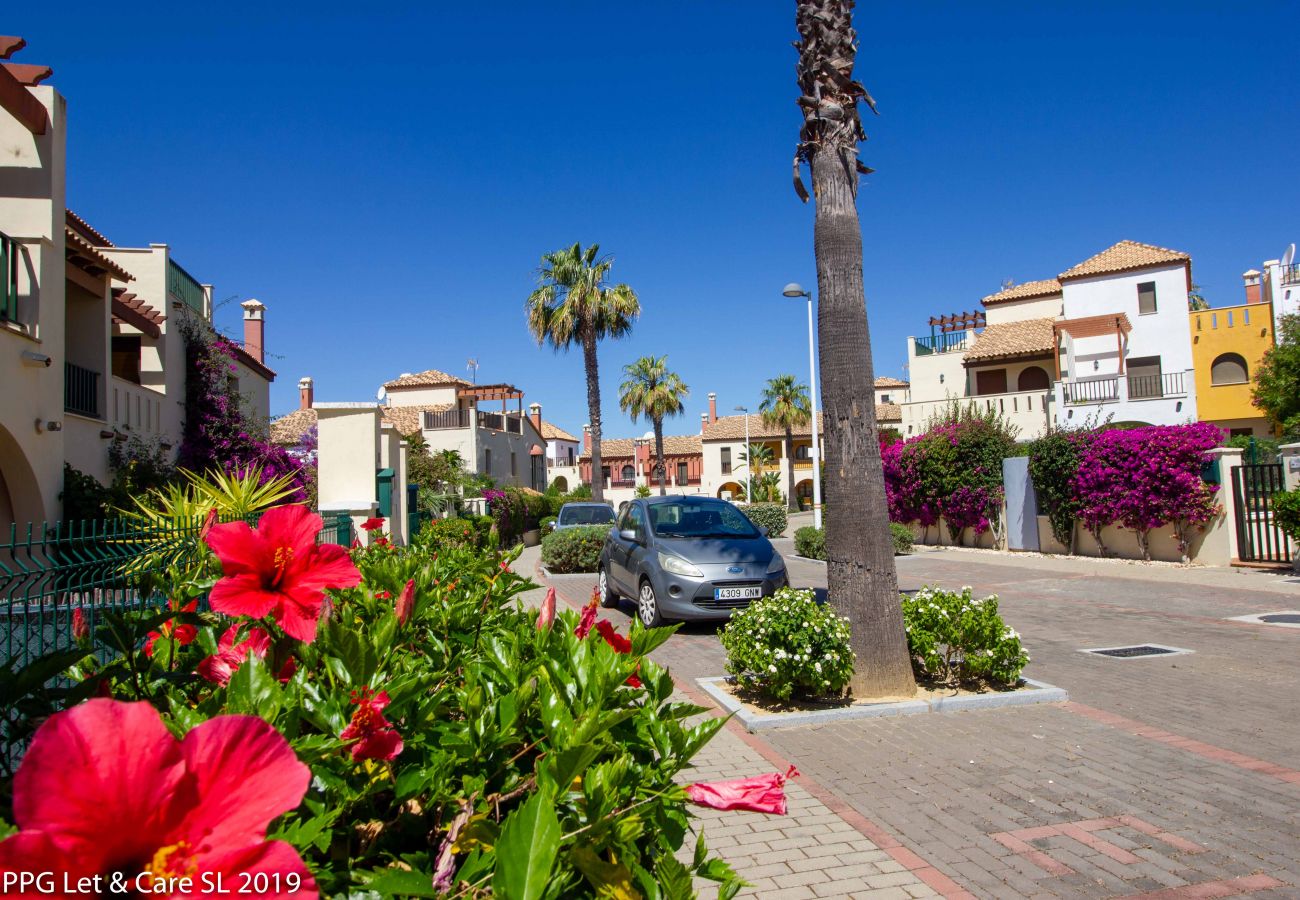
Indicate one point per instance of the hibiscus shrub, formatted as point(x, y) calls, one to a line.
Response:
point(955, 639)
point(787, 645)
point(574, 549)
point(386, 723)
point(472, 532)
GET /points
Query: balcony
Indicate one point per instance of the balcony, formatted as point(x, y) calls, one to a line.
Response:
point(80, 391)
point(1291, 274)
point(185, 287)
point(8, 278)
point(622, 482)
point(950, 342)
point(1153, 387)
point(446, 420)
point(1097, 390)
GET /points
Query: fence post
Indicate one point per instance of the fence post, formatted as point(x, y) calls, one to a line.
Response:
point(1290, 454)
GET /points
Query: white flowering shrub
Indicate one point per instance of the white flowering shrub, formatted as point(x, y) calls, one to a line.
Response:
point(789, 644)
point(955, 638)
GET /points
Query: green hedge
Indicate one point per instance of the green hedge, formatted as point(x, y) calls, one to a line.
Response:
point(574, 549)
point(1286, 512)
point(465, 532)
point(771, 516)
point(810, 542)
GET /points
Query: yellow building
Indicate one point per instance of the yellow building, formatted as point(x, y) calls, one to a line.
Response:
point(1227, 345)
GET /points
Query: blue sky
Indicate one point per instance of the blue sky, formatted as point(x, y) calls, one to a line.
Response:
point(386, 182)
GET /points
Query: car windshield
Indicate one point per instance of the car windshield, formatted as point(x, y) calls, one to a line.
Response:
point(688, 518)
point(586, 515)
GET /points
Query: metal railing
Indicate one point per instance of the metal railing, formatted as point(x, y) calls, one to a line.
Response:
point(448, 418)
point(1153, 387)
point(1290, 274)
point(80, 390)
point(8, 278)
point(514, 424)
point(622, 482)
point(495, 421)
point(184, 286)
point(941, 343)
point(1098, 390)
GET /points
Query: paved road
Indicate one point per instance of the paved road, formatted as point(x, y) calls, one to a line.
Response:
point(1178, 776)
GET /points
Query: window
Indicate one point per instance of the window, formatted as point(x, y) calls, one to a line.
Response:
point(1144, 379)
point(487, 461)
point(8, 279)
point(803, 452)
point(1228, 368)
point(628, 474)
point(1229, 318)
point(1245, 317)
point(726, 460)
point(126, 357)
point(884, 398)
point(683, 475)
point(514, 466)
point(1146, 298)
point(993, 381)
point(604, 473)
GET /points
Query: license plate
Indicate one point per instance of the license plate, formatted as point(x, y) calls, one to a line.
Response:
point(737, 593)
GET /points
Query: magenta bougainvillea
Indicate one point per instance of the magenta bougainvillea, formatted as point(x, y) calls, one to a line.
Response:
point(1145, 478)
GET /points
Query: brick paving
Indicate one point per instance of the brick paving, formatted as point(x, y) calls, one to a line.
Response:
point(1168, 778)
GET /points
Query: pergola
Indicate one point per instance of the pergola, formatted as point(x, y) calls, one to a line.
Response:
point(502, 392)
point(1091, 326)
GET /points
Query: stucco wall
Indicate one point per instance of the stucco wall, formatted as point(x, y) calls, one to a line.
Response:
point(1018, 310)
point(1246, 330)
point(1164, 333)
point(419, 396)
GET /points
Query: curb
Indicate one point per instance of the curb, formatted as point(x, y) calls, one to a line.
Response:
point(1038, 692)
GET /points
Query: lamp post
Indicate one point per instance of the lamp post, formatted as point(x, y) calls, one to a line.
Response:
point(795, 290)
point(749, 476)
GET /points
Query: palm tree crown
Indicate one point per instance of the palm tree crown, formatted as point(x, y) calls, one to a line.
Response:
point(785, 405)
point(649, 389)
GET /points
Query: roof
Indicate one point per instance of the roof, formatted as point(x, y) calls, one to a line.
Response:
point(289, 429)
point(884, 381)
point(82, 254)
point(674, 445)
point(552, 432)
point(1012, 340)
point(128, 309)
point(889, 412)
point(1123, 257)
point(1047, 287)
point(86, 230)
point(427, 378)
point(732, 428)
point(407, 419)
point(250, 362)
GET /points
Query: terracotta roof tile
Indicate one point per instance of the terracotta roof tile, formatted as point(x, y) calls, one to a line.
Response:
point(889, 412)
point(289, 429)
point(732, 428)
point(883, 381)
point(427, 378)
point(674, 445)
point(1047, 287)
point(1124, 256)
point(615, 448)
point(552, 432)
point(88, 231)
point(1009, 340)
point(84, 255)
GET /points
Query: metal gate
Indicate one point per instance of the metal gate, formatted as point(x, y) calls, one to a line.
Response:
point(1259, 539)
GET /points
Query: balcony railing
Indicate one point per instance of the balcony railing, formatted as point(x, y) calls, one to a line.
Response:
point(1291, 274)
point(1098, 390)
point(1151, 387)
point(622, 483)
point(80, 391)
point(184, 287)
point(495, 421)
point(8, 278)
point(447, 419)
point(514, 424)
point(941, 343)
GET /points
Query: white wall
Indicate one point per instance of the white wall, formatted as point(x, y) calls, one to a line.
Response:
point(1164, 333)
point(1019, 310)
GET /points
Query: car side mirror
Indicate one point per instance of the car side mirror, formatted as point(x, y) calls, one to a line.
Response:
point(629, 534)
point(762, 529)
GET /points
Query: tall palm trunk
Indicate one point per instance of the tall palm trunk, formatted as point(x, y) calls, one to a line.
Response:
point(593, 411)
point(789, 465)
point(660, 467)
point(861, 579)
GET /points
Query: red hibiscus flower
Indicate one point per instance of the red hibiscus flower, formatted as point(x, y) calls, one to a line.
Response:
point(208, 521)
point(230, 655)
point(184, 634)
point(374, 523)
point(547, 615)
point(279, 569)
point(620, 644)
point(373, 734)
point(106, 789)
point(587, 620)
point(383, 595)
point(405, 604)
point(761, 793)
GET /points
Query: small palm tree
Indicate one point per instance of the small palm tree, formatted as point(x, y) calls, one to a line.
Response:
point(757, 458)
point(574, 304)
point(785, 405)
point(650, 390)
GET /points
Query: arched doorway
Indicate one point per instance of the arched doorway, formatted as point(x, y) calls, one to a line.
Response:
point(561, 484)
point(1033, 378)
point(20, 498)
point(803, 492)
point(730, 490)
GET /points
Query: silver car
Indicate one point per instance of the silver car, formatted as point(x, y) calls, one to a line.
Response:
point(687, 558)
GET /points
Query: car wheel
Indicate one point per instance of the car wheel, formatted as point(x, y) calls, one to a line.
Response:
point(647, 606)
point(608, 599)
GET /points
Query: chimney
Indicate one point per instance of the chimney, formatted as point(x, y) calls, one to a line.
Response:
point(586, 438)
point(535, 413)
point(1251, 277)
point(704, 422)
point(713, 407)
point(306, 393)
point(254, 329)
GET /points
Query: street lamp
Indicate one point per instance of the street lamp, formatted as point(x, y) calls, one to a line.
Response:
point(795, 290)
point(748, 472)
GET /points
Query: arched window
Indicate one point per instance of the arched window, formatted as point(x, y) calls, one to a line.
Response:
point(1228, 368)
point(1033, 378)
point(629, 473)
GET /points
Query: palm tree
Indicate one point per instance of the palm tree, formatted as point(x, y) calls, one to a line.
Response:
point(785, 405)
point(574, 304)
point(861, 580)
point(650, 390)
point(757, 457)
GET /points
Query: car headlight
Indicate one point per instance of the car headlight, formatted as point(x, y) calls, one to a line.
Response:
point(677, 566)
point(777, 565)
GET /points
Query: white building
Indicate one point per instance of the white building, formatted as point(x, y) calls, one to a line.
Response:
point(562, 452)
point(1281, 286)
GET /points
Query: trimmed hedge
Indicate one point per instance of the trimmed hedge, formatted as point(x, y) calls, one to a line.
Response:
point(1286, 512)
point(771, 516)
point(574, 549)
point(810, 542)
point(465, 532)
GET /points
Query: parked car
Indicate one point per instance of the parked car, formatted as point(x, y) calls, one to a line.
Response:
point(689, 558)
point(576, 515)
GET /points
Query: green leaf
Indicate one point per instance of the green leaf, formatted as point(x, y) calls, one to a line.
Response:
point(611, 880)
point(400, 883)
point(674, 879)
point(525, 855)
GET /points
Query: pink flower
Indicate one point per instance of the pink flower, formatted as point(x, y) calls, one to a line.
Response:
point(762, 793)
point(405, 603)
point(373, 734)
point(374, 523)
point(587, 619)
point(219, 667)
point(105, 788)
point(279, 569)
point(547, 615)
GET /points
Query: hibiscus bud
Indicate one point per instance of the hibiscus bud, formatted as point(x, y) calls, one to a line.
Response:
point(547, 615)
point(208, 522)
point(80, 629)
point(406, 603)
